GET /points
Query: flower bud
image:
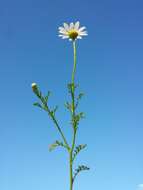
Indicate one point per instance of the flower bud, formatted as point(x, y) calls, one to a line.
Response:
point(35, 88)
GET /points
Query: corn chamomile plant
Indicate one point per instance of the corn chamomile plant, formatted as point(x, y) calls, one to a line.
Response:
point(71, 31)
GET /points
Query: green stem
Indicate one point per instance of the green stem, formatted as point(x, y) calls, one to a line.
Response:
point(57, 126)
point(60, 131)
point(73, 118)
point(71, 171)
point(74, 67)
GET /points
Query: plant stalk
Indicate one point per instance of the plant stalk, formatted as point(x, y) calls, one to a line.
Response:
point(73, 118)
point(57, 126)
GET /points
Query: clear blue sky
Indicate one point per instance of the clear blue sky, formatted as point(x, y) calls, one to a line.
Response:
point(110, 73)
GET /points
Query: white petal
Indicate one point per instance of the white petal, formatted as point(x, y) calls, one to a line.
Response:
point(60, 35)
point(79, 37)
point(63, 32)
point(81, 29)
point(66, 26)
point(71, 25)
point(65, 37)
point(83, 34)
point(76, 26)
point(61, 28)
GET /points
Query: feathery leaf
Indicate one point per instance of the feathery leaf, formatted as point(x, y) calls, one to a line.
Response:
point(37, 104)
point(78, 149)
point(80, 169)
point(55, 145)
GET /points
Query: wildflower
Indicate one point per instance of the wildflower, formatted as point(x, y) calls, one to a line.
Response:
point(72, 31)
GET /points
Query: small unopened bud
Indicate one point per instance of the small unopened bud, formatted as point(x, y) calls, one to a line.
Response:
point(34, 86)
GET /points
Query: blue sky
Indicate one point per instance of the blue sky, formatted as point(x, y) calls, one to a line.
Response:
point(109, 70)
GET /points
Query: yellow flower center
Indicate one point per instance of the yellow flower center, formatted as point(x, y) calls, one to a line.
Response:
point(73, 34)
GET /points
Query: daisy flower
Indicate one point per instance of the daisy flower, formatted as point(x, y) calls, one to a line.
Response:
point(72, 31)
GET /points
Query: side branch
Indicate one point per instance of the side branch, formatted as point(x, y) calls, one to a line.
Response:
point(44, 106)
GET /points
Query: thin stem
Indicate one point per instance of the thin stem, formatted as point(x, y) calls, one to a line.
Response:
point(74, 67)
point(71, 171)
point(60, 131)
point(73, 118)
point(58, 127)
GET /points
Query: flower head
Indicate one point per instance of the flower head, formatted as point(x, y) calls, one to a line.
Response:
point(72, 31)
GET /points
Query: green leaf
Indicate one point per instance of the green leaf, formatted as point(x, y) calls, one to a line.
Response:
point(55, 145)
point(77, 118)
point(80, 96)
point(80, 169)
point(68, 106)
point(41, 97)
point(37, 104)
point(71, 86)
point(54, 111)
point(47, 97)
point(78, 149)
point(78, 99)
